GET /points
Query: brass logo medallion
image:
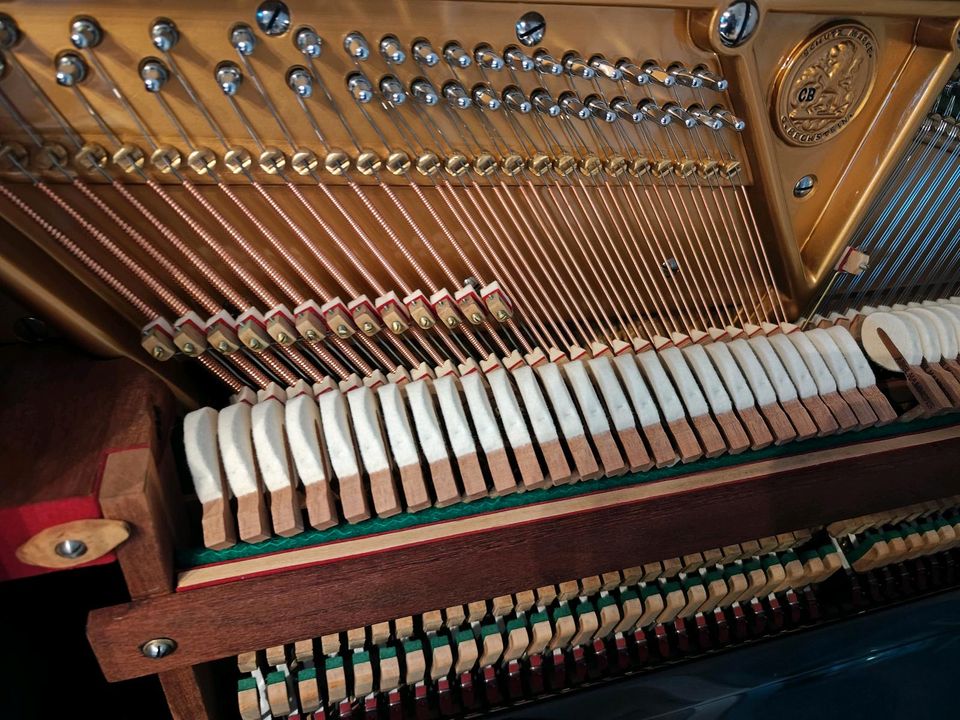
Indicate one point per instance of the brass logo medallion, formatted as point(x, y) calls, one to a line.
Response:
point(824, 84)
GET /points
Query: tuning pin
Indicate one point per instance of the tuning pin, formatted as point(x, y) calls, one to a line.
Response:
point(486, 58)
point(632, 73)
point(654, 112)
point(544, 103)
point(308, 42)
point(85, 33)
point(545, 64)
point(392, 90)
point(300, 81)
point(658, 75)
point(517, 59)
point(704, 118)
point(485, 97)
point(424, 92)
point(456, 95)
point(456, 55)
point(625, 109)
point(356, 46)
point(71, 69)
point(229, 78)
point(242, 39)
point(164, 35)
point(710, 80)
point(391, 51)
point(727, 118)
point(572, 105)
point(424, 53)
point(576, 66)
point(600, 109)
point(606, 68)
point(676, 111)
point(683, 76)
point(154, 75)
point(359, 87)
point(516, 100)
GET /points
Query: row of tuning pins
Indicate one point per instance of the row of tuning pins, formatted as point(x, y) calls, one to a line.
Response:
point(514, 60)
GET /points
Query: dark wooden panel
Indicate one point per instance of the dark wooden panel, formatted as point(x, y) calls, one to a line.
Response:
point(258, 612)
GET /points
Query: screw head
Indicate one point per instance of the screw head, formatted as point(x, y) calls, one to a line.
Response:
point(158, 648)
point(164, 35)
point(804, 186)
point(9, 32)
point(311, 335)
point(242, 39)
point(738, 22)
point(71, 549)
point(283, 338)
point(343, 331)
point(223, 346)
point(368, 327)
point(85, 33)
point(159, 352)
point(70, 69)
point(189, 348)
point(255, 344)
point(273, 17)
point(531, 27)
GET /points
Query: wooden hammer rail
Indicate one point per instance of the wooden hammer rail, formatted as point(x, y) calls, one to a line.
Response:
point(447, 564)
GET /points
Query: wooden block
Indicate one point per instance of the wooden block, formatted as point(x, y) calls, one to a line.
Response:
point(278, 697)
point(467, 652)
point(733, 433)
point(660, 448)
point(861, 408)
point(590, 586)
point(217, 523)
point(415, 665)
point(492, 646)
point(441, 661)
point(780, 429)
point(587, 625)
point(716, 591)
point(403, 628)
point(846, 420)
point(540, 634)
point(303, 651)
point(879, 404)
point(252, 518)
point(444, 483)
point(651, 571)
point(389, 672)
point(454, 616)
point(276, 655)
point(432, 621)
point(696, 597)
point(336, 682)
point(712, 557)
point(518, 640)
point(610, 581)
point(737, 586)
point(379, 633)
point(947, 382)
point(558, 469)
point(501, 606)
point(546, 595)
point(709, 435)
point(247, 662)
point(671, 567)
point(524, 601)
point(609, 616)
point(568, 590)
point(564, 628)
point(356, 638)
point(820, 414)
point(800, 418)
point(632, 575)
point(308, 690)
point(285, 512)
point(531, 474)
point(471, 477)
point(330, 644)
point(637, 457)
point(691, 562)
point(631, 610)
point(583, 459)
point(362, 675)
point(321, 505)
point(476, 611)
point(687, 446)
point(673, 602)
point(653, 605)
point(248, 700)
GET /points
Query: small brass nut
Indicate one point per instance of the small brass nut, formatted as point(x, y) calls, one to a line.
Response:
point(428, 164)
point(484, 164)
point(337, 162)
point(564, 165)
point(456, 165)
point(616, 165)
point(237, 160)
point(50, 156)
point(304, 162)
point(90, 157)
point(640, 166)
point(540, 164)
point(272, 160)
point(165, 158)
point(590, 165)
point(202, 160)
point(398, 162)
point(368, 162)
point(512, 165)
point(129, 158)
point(662, 167)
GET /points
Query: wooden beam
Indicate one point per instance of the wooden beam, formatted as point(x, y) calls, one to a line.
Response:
point(271, 609)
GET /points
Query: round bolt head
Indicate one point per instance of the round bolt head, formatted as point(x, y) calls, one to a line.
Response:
point(530, 28)
point(166, 158)
point(396, 327)
point(738, 22)
point(202, 160)
point(154, 75)
point(368, 162)
point(300, 81)
point(425, 321)
point(804, 186)
point(304, 161)
point(224, 346)
point(512, 164)
point(456, 165)
point(242, 39)
point(90, 157)
point(312, 335)
point(237, 160)
point(367, 327)
point(71, 549)
point(164, 35)
point(9, 32)
point(484, 164)
point(229, 78)
point(272, 160)
point(158, 648)
point(308, 42)
point(337, 162)
point(428, 164)
point(343, 331)
point(255, 344)
point(356, 46)
point(52, 155)
point(398, 162)
point(71, 69)
point(283, 338)
point(540, 164)
point(273, 17)
point(85, 33)
point(159, 353)
point(129, 157)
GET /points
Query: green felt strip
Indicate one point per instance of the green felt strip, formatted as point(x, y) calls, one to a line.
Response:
point(202, 556)
point(648, 590)
point(388, 652)
point(359, 658)
point(309, 673)
point(464, 636)
point(560, 611)
point(605, 601)
point(412, 646)
point(246, 683)
point(439, 641)
point(276, 677)
point(515, 623)
point(627, 595)
point(333, 662)
point(489, 629)
point(585, 607)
